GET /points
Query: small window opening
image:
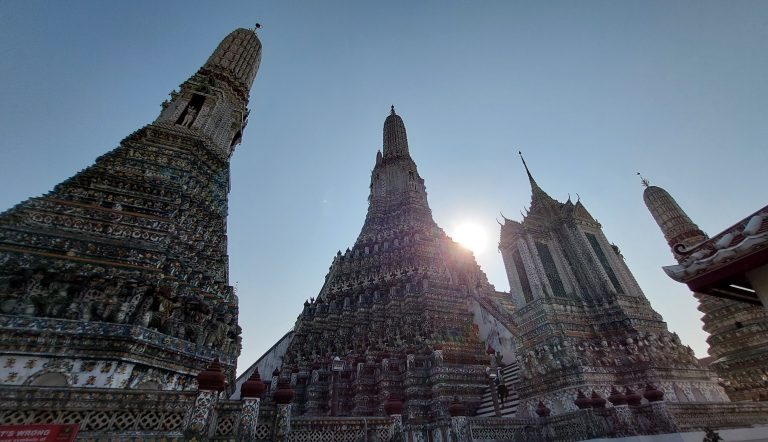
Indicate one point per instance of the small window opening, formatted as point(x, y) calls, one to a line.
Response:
point(187, 118)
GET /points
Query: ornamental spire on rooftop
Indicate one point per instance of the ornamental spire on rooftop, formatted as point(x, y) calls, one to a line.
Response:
point(239, 56)
point(539, 198)
point(677, 227)
point(402, 289)
point(134, 247)
point(397, 190)
point(395, 138)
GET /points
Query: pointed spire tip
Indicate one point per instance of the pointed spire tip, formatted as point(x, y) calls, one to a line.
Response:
point(643, 181)
point(530, 177)
point(392, 111)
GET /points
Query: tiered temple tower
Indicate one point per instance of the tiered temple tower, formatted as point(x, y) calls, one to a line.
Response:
point(583, 321)
point(737, 339)
point(118, 278)
point(394, 309)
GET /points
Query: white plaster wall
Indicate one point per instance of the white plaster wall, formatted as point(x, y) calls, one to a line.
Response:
point(266, 364)
point(494, 333)
point(22, 369)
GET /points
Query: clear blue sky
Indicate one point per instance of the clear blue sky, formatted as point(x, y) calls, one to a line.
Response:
point(591, 91)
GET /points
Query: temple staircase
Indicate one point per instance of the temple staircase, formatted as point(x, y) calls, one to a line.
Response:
point(510, 376)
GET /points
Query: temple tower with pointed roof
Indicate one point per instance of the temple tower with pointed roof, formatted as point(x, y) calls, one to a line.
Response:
point(118, 277)
point(677, 227)
point(732, 313)
point(584, 322)
point(394, 309)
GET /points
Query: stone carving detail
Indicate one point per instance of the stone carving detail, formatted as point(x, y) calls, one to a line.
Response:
point(460, 429)
point(394, 309)
point(738, 344)
point(100, 413)
point(283, 423)
point(249, 419)
point(136, 243)
point(201, 412)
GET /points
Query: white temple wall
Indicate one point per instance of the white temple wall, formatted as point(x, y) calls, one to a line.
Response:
point(266, 364)
point(494, 333)
point(24, 370)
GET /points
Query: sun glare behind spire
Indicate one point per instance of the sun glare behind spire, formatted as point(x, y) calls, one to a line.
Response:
point(471, 235)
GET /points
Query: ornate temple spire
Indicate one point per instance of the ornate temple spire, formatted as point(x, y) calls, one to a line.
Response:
point(157, 232)
point(395, 138)
point(534, 185)
point(239, 54)
point(213, 102)
point(677, 227)
point(401, 289)
point(539, 198)
point(395, 180)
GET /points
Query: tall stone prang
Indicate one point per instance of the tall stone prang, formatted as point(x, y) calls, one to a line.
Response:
point(584, 323)
point(737, 340)
point(118, 277)
point(393, 317)
point(677, 227)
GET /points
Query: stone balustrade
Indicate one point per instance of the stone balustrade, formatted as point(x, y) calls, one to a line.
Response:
point(102, 414)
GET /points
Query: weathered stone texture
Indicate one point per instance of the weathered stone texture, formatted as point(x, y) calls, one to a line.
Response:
point(118, 277)
point(583, 321)
point(395, 309)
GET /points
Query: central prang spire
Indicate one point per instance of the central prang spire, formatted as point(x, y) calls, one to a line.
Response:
point(395, 138)
point(395, 180)
point(393, 312)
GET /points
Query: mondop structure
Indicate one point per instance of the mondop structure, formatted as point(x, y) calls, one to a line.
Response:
point(117, 313)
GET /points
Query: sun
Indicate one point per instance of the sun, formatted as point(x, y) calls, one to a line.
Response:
point(472, 236)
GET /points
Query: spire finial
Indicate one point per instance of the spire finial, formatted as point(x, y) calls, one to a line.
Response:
point(643, 181)
point(530, 177)
point(393, 109)
point(256, 26)
point(539, 198)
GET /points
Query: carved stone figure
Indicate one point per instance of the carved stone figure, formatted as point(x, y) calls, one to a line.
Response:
point(189, 118)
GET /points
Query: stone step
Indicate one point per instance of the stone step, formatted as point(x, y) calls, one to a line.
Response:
point(509, 374)
point(507, 410)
